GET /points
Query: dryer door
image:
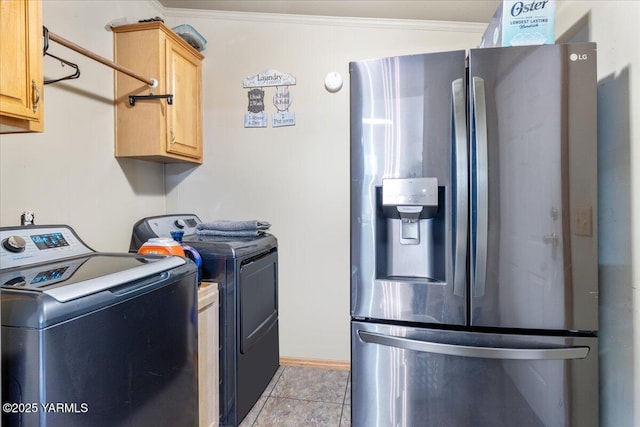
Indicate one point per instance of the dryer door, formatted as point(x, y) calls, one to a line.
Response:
point(257, 353)
point(258, 298)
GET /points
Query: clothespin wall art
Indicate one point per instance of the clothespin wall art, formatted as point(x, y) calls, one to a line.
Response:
point(256, 116)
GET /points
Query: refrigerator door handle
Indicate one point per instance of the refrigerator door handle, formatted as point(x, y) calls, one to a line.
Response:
point(459, 127)
point(479, 268)
point(532, 353)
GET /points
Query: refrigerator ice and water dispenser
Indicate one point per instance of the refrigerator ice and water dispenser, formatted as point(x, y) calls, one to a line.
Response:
point(410, 224)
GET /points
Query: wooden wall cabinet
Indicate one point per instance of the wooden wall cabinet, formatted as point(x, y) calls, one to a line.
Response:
point(208, 368)
point(21, 89)
point(153, 129)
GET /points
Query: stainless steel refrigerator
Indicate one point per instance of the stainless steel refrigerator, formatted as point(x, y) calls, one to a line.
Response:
point(474, 281)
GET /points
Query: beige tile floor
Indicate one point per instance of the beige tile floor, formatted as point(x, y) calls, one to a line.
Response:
point(308, 397)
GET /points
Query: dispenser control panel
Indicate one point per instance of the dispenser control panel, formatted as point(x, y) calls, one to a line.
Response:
point(410, 192)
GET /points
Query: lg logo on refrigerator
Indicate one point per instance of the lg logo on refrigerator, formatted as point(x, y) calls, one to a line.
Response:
point(578, 57)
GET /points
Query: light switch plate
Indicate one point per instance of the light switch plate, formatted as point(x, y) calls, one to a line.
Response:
point(584, 221)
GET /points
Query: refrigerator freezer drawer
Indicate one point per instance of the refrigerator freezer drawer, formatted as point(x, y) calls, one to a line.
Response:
point(407, 376)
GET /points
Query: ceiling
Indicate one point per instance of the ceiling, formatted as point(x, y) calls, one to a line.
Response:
point(437, 10)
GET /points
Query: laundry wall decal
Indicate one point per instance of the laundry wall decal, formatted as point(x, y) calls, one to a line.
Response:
point(256, 117)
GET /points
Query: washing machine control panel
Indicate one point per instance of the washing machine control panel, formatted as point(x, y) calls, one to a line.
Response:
point(162, 226)
point(21, 246)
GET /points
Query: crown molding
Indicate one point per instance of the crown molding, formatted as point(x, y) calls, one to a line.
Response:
point(276, 18)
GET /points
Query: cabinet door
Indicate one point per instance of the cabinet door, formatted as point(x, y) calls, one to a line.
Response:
point(184, 134)
point(21, 63)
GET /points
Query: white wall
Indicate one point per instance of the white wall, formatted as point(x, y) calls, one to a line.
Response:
point(297, 177)
point(614, 26)
point(68, 173)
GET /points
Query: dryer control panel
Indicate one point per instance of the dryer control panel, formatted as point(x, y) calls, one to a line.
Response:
point(21, 246)
point(162, 226)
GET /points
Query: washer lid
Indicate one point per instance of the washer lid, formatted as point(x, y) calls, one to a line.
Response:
point(74, 278)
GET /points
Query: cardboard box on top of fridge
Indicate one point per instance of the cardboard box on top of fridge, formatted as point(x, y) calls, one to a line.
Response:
point(518, 23)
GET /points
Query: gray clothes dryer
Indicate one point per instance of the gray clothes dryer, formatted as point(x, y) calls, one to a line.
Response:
point(246, 270)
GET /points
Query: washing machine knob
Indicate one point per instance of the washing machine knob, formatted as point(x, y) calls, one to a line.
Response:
point(14, 244)
point(179, 223)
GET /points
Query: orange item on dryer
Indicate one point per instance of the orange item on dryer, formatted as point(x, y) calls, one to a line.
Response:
point(161, 246)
